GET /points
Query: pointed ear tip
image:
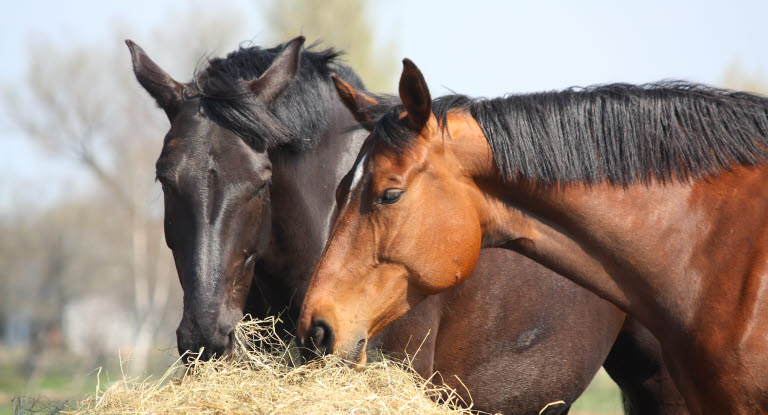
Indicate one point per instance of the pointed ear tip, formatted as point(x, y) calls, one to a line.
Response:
point(136, 51)
point(338, 81)
point(410, 68)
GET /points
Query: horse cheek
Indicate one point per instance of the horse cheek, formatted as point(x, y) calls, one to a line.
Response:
point(454, 259)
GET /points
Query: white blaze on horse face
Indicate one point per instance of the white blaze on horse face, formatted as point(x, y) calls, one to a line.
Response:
point(357, 177)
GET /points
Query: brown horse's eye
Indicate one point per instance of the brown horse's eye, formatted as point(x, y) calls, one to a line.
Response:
point(390, 196)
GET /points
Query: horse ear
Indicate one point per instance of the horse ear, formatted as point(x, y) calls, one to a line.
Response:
point(357, 102)
point(280, 73)
point(415, 95)
point(165, 90)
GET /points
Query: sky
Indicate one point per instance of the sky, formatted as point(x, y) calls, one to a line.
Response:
point(480, 48)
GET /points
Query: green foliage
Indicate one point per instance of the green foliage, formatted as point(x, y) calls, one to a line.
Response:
point(343, 24)
point(602, 397)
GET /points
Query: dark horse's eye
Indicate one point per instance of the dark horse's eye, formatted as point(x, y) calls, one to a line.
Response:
point(390, 196)
point(260, 190)
point(164, 184)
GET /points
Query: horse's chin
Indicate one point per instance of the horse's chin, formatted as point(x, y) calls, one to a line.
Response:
point(357, 355)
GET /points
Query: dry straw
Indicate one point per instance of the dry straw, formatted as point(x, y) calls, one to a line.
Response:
point(264, 380)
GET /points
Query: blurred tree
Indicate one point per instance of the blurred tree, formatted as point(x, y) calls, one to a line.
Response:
point(737, 78)
point(343, 24)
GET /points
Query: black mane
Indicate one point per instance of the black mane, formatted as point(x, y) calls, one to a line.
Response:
point(618, 133)
point(296, 119)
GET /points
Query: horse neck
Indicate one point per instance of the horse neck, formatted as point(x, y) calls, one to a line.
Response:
point(602, 237)
point(303, 198)
point(648, 248)
point(635, 246)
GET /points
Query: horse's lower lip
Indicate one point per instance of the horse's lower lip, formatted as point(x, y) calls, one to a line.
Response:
point(357, 355)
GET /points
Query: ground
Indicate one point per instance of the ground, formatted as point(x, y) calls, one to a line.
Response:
point(65, 378)
point(59, 377)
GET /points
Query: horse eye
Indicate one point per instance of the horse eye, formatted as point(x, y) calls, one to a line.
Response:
point(259, 191)
point(390, 196)
point(164, 184)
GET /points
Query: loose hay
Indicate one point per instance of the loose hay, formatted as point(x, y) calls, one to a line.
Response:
point(264, 380)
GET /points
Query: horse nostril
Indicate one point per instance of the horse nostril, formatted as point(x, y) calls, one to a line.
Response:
point(321, 337)
point(317, 336)
point(230, 343)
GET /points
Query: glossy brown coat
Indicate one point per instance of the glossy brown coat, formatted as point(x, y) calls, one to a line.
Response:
point(687, 260)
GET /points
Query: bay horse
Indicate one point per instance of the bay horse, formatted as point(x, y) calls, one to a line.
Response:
point(257, 144)
point(653, 196)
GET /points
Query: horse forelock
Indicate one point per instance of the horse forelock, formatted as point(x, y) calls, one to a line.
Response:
point(295, 120)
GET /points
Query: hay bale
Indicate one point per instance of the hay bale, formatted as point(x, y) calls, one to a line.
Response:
point(255, 381)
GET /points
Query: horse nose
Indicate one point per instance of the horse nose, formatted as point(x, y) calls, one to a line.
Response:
point(215, 343)
point(220, 344)
point(320, 337)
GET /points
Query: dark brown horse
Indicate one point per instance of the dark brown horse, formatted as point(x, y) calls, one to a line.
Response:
point(653, 197)
point(249, 169)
